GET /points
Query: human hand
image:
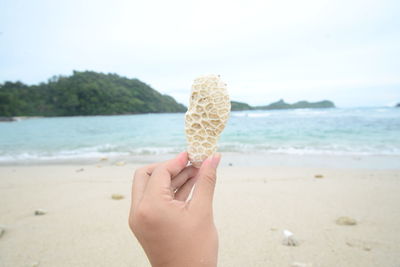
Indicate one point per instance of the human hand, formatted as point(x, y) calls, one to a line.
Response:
point(172, 230)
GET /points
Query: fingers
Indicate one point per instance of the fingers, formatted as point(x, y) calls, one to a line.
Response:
point(160, 179)
point(140, 180)
point(183, 176)
point(184, 191)
point(175, 166)
point(206, 179)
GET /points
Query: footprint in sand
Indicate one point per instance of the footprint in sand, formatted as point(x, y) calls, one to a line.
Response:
point(359, 244)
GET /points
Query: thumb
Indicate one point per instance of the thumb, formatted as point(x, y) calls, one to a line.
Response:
point(206, 179)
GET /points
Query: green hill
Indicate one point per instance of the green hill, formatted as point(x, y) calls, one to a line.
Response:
point(301, 104)
point(84, 93)
point(236, 106)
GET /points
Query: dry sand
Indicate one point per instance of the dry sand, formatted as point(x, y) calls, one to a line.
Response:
point(84, 226)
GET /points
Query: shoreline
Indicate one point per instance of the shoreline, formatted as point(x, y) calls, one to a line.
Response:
point(18, 118)
point(238, 159)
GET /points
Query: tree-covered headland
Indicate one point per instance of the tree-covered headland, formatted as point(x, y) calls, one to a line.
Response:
point(84, 93)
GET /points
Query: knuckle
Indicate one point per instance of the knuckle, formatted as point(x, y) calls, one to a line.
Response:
point(132, 224)
point(144, 216)
point(138, 220)
point(139, 171)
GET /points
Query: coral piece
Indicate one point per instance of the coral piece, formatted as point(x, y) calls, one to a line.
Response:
point(206, 117)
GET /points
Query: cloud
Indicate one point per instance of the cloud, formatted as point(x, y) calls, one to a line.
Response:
point(265, 50)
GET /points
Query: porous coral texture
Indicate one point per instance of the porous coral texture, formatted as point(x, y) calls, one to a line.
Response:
point(206, 117)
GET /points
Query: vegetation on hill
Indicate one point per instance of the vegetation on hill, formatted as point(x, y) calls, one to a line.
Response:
point(84, 93)
point(283, 105)
point(301, 104)
point(236, 106)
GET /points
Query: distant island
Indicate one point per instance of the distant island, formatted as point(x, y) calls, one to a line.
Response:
point(84, 93)
point(398, 105)
point(237, 106)
point(281, 104)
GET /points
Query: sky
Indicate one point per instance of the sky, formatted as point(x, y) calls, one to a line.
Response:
point(347, 51)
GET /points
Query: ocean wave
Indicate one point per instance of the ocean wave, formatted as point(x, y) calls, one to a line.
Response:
point(87, 153)
point(301, 150)
point(100, 152)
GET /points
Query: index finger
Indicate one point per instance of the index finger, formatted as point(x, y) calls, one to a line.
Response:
point(161, 177)
point(140, 180)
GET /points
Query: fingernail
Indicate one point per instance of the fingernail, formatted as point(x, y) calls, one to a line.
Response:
point(215, 160)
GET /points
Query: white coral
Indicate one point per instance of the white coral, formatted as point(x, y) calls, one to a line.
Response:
point(206, 117)
point(288, 239)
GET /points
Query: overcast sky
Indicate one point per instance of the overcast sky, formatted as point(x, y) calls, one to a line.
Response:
point(344, 50)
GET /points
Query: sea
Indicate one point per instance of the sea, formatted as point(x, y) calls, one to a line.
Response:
point(337, 131)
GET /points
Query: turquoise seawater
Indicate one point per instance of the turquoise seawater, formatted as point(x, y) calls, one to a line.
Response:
point(354, 131)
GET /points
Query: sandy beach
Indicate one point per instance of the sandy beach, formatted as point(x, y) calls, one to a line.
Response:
point(84, 226)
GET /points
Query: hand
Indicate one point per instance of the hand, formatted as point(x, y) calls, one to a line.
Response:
point(173, 230)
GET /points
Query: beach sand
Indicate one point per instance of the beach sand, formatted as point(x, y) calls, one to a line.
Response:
point(84, 226)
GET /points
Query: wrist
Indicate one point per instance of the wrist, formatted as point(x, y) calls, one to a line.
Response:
point(199, 263)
